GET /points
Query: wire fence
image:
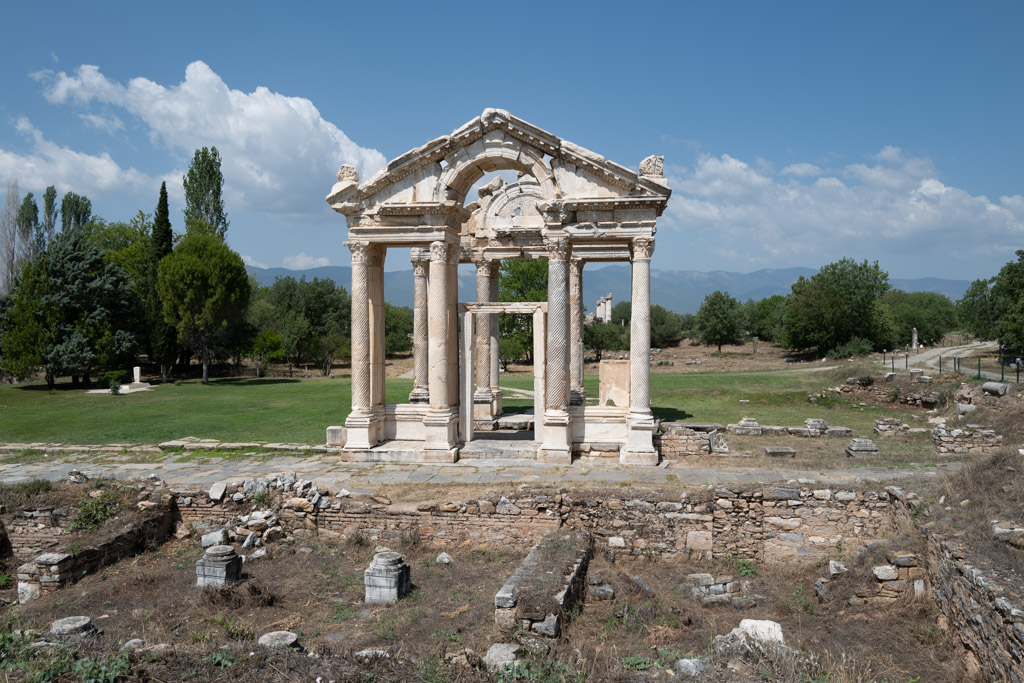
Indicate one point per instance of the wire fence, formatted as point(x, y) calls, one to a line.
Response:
point(986, 366)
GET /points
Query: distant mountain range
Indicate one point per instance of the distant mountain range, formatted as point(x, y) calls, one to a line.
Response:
point(678, 290)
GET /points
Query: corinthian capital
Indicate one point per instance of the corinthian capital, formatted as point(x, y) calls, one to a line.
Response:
point(643, 247)
point(557, 248)
point(361, 252)
point(438, 251)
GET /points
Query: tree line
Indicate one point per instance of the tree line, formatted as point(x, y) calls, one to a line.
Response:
point(95, 295)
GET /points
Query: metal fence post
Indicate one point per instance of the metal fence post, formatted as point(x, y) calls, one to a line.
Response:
point(979, 367)
point(940, 365)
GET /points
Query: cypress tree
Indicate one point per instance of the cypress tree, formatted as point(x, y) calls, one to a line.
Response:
point(163, 347)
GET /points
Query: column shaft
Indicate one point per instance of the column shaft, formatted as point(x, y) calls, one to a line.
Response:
point(557, 356)
point(420, 266)
point(494, 344)
point(360, 328)
point(576, 395)
point(437, 317)
point(640, 338)
point(376, 295)
point(483, 338)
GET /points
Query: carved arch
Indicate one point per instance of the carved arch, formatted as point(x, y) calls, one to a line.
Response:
point(494, 152)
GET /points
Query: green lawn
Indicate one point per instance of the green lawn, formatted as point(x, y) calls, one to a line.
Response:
point(298, 410)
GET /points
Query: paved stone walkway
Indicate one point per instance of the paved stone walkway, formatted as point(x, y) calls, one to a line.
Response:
point(184, 470)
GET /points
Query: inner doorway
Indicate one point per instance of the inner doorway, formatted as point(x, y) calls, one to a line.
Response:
point(513, 438)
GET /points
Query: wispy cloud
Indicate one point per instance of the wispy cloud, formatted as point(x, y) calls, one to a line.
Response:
point(303, 261)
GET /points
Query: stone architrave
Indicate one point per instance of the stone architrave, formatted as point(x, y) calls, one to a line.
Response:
point(639, 448)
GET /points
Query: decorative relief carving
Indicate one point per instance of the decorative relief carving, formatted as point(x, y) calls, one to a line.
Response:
point(557, 248)
point(347, 172)
point(652, 166)
point(643, 247)
point(438, 251)
point(361, 252)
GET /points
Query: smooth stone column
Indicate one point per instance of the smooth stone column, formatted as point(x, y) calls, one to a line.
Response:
point(494, 347)
point(420, 381)
point(360, 421)
point(556, 445)
point(453, 325)
point(377, 360)
point(439, 423)
point(482, 396)
point(639, 448)
point(577, 395)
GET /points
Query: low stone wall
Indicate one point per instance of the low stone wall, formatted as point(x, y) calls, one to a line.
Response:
point(682, 439)
point(812, 428)
point(37, 530)
point(965, 441)
point(984, 608)
point(890, 427)
point(53, 570)
point(765, 524)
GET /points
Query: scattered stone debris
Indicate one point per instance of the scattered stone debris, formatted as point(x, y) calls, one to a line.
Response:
point(501, 655)
point(861, 448)
point(72, 626)
point(443, 558)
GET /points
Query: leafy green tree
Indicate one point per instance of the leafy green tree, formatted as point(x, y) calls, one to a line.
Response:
point(205, 293)
point(622, 313)
point(204, 204)
point(162, 337)
point(75, 212)
point(666, 327)
point(266, 349)
point(719, 319)
point(600, 337)
point(49, 223)
point(67, 312)
point(520, 280)
point(838, 303)
point(931, 313)
point(976, 310)
point(1008, 304)
point(397, 328)
point(764, 317)
point(28, 229)
point(126, 245)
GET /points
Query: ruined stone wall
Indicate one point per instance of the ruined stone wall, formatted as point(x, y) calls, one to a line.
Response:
point(983, 607)
point(965, 441)
point(680, 440)
point(765, 524)
point(36, 530)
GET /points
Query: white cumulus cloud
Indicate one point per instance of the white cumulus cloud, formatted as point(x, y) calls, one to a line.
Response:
point(894, 206)
point(304, 260)
point(250, 261)
point(278, 153)
point(48, 163)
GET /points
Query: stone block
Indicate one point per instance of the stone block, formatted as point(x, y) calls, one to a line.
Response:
point(860, 448)
point(387, 579)
point(501, 655)
point(214, 538)
point(779, 452)
point(885, 572)
point(335, 437)
point(218, 567)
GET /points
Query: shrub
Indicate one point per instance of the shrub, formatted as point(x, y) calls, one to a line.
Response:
point(93, 512)
point(858, 346)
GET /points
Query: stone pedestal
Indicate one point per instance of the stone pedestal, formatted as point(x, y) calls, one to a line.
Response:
point(387, 579)
point(218, 567)
point(860, 448)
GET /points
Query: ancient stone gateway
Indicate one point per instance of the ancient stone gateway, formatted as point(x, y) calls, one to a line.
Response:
point(569, 206)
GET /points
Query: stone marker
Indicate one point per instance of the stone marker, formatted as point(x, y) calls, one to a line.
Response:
point(218, 567)
point(72, 626)
point(860, 448)
point(387, 579)
point(779, 452)
point(137, 374)
point(278, 639)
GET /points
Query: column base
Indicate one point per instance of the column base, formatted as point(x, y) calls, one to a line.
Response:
point(419, 396)
point(557, 446)
point(441, 430)
point(360, 431)
point(639, 448)
point(554, 457)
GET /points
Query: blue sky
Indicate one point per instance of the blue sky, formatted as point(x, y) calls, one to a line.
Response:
point(794, 134)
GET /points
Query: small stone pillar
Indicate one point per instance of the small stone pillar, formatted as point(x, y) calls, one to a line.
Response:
point(218, 567)
point(913, 339)
point(136, 374)
point(387, 579)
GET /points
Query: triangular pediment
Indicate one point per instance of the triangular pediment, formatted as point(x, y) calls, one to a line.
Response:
point(441, 172)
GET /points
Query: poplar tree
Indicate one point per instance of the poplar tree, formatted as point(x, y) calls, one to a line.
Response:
point(49, 213)
point(204, 204)
point(163, 347)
